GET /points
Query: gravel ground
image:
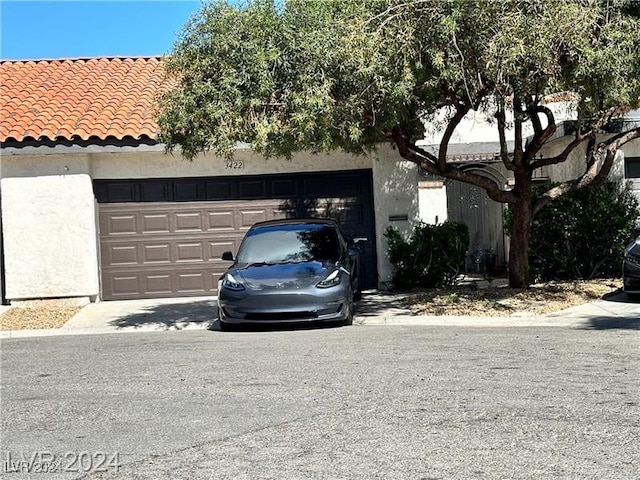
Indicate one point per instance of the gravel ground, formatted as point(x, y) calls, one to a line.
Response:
point(500, 301)
point(39, 314)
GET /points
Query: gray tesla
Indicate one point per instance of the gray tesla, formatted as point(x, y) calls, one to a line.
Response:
point(302, 270)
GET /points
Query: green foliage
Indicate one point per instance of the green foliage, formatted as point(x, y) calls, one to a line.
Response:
point(320, 75)
point(582, 235)
point(433, 255)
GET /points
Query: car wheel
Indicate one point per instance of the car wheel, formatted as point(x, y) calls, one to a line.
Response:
point(350, 313)
point(357, 292)
point(357, 295)
point(224, 326)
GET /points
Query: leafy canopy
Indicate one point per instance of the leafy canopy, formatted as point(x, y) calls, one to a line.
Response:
point(319, 75)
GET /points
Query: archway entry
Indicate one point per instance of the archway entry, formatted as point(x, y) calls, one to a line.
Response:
point(484, 217)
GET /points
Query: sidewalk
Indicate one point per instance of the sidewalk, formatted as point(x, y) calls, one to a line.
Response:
point(199, 313)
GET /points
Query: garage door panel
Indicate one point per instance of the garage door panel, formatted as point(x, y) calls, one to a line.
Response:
point(122, 286)
point(188, 190)
point(252, 188)
point(192, 282)
point(173, 247)
point(157, 284)
point(156, 253)
point(220, 221)
point(120, 254)
point(188, 222)
point(116, 224)
point(190, 252)
point(249, 217)
point(156, 223)
point(155, 191)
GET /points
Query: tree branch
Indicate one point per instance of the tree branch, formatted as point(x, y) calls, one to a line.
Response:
point(517, 123)
point(562, 156)
point(502, 126)
point(541, 135)
point(598, 168)
point(461, 111)
point(432, 164)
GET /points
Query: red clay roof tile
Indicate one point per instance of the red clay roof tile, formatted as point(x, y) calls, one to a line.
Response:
point(99, 98)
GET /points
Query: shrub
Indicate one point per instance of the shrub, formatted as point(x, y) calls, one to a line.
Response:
point(582, 235)
point(432, 256)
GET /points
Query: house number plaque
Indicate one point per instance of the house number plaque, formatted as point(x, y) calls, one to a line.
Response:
point(234, 164)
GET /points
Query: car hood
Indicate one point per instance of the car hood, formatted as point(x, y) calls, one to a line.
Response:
point(282, 275)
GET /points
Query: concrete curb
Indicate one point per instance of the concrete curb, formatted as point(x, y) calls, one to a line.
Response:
point(51, 332)
point(385, 320)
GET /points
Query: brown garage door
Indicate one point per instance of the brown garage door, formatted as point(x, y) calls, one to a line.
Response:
point(164, 238)
point(162, 249)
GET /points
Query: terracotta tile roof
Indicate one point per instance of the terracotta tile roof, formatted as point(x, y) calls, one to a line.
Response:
point(98, 98)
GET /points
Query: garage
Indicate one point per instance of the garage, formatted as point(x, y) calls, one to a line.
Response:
point(164, 237)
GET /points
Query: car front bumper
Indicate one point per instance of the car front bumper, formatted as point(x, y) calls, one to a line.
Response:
point(330, 305)
point(631, 277)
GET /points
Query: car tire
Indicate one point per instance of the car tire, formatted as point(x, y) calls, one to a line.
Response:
point(224, 326)
point(357, 295)
point(350, 313)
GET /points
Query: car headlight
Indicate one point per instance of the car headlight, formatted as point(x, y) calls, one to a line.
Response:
point(331, 281)
point(632, 259)
point(231, 283)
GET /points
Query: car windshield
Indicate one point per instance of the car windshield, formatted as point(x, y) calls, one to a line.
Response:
point(290, 243)
point(634, 247)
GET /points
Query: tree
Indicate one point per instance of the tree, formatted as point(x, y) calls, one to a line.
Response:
point(320, 75)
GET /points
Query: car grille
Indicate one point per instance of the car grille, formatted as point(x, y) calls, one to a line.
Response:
point(299, 315)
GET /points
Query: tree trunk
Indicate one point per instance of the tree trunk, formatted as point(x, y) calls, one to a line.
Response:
point(519, 246)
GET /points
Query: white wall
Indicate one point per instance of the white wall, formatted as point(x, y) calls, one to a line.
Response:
point(49, 229)
point(160, 165)
point(395, 189)
point(574, 166)
point(480, 127)
point(432, 200)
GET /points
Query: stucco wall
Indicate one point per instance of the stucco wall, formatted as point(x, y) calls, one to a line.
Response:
point(395, 188)
point(160, 165)
point(49, 230)
point(574, 166)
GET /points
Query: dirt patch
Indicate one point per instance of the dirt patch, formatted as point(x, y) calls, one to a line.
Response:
point(39, 314)
point(496, 301)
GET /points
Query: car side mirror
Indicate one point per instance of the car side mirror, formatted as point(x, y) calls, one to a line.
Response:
point(228, 256)
point(358, 243)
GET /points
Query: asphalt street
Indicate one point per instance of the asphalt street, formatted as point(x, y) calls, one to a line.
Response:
point(361, 402)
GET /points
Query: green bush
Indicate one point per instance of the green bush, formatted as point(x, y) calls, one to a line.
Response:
point(432, 256)
point(582, 235)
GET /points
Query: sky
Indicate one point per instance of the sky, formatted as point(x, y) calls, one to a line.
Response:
point(36, 30)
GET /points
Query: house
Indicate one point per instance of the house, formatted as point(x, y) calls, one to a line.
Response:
point(92, 206)
point(475, 146)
